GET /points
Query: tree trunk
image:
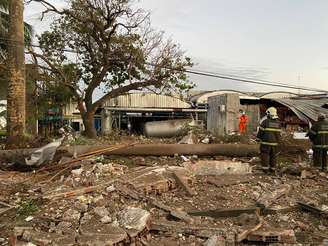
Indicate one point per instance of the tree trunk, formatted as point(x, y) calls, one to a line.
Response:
point(16, 87)
point(88, 121)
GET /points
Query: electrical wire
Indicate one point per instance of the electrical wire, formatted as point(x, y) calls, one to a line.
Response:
point(206, 73)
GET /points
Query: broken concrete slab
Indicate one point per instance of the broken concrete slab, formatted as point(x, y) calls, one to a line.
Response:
point(43, 238)
point(92, 232)
point(134, 220)
point(212, 168)
point(101, 211)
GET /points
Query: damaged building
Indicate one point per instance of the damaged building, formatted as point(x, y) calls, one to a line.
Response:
point(219, 111)
point(223, 108)
point(142, 113)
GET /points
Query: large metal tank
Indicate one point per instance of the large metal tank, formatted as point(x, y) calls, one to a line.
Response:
point(165, 129)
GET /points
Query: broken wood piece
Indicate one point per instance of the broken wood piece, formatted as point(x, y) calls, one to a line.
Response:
point(235, 212)
point(5, 210)
point(183, 183)
point(227, 180)
point(312, 209)
point(79, 192)
point(181, 215)
point(242, 236)
point(223, 213)
point(268, 198)
point(198, 231)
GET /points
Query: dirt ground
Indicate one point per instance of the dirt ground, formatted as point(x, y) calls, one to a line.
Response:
point(108, 200)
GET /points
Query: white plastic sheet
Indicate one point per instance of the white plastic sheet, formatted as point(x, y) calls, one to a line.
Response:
point(44, 154)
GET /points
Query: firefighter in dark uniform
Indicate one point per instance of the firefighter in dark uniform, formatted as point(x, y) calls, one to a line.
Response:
point(269, 136)
point(318, 135)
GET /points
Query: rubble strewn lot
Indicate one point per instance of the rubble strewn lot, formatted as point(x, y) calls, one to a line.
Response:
point(165, 201)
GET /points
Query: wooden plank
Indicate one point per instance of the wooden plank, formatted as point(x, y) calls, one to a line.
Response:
point(227, 180)
point(198, 231)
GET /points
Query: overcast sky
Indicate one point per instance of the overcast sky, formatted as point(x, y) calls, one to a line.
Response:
point(276, 40)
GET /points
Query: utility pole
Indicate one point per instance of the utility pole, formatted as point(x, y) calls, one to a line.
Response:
point(16, 100)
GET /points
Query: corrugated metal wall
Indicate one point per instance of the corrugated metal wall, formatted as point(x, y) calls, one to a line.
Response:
point(146, 100)
point(223, 114)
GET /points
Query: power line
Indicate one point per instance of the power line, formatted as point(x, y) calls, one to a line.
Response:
point(210, 74)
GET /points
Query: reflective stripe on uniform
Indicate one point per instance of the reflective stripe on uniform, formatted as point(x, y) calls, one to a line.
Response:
point(270, 129)
point(322, 132)
point(321, 146)
point(271, 144)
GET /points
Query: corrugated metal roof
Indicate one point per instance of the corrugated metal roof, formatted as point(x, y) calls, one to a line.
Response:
point(278, 94)
point(146, 100)
point(203, 97)
point(305, 109)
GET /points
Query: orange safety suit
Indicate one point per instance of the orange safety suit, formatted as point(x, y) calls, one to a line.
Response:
point(243, 120)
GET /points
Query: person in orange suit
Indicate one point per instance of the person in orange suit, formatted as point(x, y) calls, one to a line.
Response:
point(243, 120)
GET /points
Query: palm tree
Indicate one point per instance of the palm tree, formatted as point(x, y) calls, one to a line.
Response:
point(4, 25)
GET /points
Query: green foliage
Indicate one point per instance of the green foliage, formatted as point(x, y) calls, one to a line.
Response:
point(115, 47)
point(27, 208)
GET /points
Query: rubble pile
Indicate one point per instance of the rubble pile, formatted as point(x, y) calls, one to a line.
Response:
point(97, 200)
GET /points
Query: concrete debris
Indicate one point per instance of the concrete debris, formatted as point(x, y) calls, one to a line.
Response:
point(189, 139)
point(71, 215)
point(41, 238)
point(212, 241)
point(268, 198)
point(29, 218)
point(213, 168)
point(273, 236)
point(307, 174)
point(158, 200)
point(77, 172)
point(134, 219)
point(106, 234)
point(106, 219)
point(101, 211)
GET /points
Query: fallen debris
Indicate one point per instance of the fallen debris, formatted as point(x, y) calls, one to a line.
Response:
point(78, 192)
point(181, 215)
point(216, 168)
point(280, 236)
point(312, 209)
point(183, 183)
point(228, 180)
point(242, 236)
point(44, 154)
point(268, 198)
point(199, 231)
point(134, 220)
